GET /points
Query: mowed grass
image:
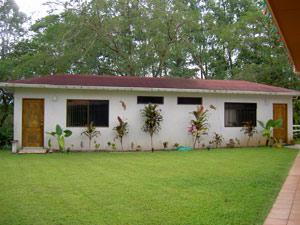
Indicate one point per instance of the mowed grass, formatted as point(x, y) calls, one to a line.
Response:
point(226, 186)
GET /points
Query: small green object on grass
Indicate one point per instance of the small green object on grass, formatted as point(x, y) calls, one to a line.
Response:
point(182, 148)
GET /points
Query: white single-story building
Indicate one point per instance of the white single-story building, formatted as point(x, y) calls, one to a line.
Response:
point(73, 101)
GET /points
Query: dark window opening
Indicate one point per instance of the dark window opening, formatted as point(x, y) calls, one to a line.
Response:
point(150, 99)
point(189, 101)
point(80, 113)
point(236, 114)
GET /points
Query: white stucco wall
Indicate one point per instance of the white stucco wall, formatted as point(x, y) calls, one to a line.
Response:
point(176, 117)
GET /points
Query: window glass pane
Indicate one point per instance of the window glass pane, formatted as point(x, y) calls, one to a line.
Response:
point(98, 113)
point(150, 99)
point(230, 118)
point(81, 112)
point(238, 113)
point(189, 101)
point(77, 112)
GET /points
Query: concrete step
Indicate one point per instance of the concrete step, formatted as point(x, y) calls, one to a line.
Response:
point(32, 151)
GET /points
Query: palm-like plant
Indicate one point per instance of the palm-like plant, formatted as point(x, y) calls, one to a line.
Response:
point(91, 132)
point(153, 120)
point(122, 130)
point(60, 135)
point(199, 125)
point(268, 129)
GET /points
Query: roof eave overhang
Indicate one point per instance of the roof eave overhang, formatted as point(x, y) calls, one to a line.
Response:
point(12, 86)
point(282, 36)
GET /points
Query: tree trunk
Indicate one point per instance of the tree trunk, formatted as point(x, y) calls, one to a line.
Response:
point(196, 138)
point(90, 144)
point(151, 136)
point(198, 62)
point(121, 140)
point(248, 141)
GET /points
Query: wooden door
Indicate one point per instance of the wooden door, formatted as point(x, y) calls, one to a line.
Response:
point(280, 112)
point(33, 123)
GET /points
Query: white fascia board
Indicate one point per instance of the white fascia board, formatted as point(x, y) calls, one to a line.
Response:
point(12, 86)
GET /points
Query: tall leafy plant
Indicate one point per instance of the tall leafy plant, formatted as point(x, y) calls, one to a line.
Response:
point(91, 132)
point(249, 129)
point(199, 125)
point(122, 130)
point(268, 129)
point(60, 135)
point(153, 119)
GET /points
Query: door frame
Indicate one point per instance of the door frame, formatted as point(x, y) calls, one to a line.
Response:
point(43, 113)
point(287, 119)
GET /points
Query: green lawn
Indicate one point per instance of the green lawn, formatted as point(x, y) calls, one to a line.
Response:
point(228, 186)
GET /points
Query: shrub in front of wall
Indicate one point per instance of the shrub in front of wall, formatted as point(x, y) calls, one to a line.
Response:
point(199, 125)
point(60, 136)
point(91, 133)
point(122, 130)
point(152, 120)
point(6, 135)
point(268, 129)
point(249, 130)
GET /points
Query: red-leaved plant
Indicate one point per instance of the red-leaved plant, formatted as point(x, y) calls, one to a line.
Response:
point(199, 125)
point(249, 130)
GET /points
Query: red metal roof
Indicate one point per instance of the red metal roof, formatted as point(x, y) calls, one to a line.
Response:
point(147, 82)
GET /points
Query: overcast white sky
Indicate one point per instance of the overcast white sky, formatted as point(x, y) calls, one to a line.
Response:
point(33, 8)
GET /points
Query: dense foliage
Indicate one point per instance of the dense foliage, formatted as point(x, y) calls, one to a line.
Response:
point(226, 39)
